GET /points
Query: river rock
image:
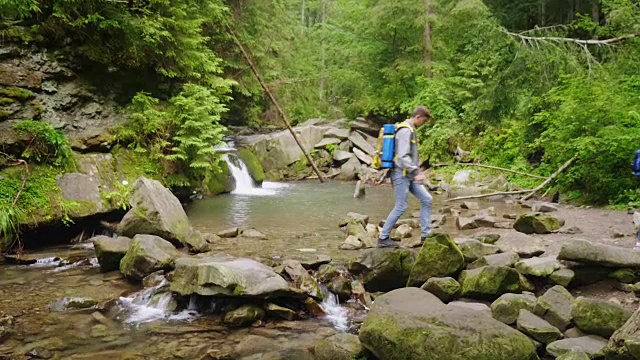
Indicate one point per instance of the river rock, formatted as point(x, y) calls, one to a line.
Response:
point(555, 307)
point(537, 328)
point(293, 269)
point(244, 315)
point(538, 266)
point(438, 257)
point(355, 228)
point(359, 142)
point(470, 205)
point(473, 249)
point(110, 251)
point(466, 223)
point(523, 245)
point(326, 272)
point(156, 211)
point(412, 324)
point(598, 317)
point(562, 277)
point(341, 134)
point(591, 345)
point(147, 254)
point(587, 252)
point(280, 312)
point(624, 275)
point(349, 170)
point(351, 243)
point(625, 342)
point(354, 217)
point(340, 346)
point(574, 332)
point(445, 288)
point(402, 232)
point(224, 275)
point(229, 233)
point(574, 355)
point(543, 207)
point(537, 223)
point(502, 259)
point(486, 237)
point(327, 141)
point(340, 286)
point(489, 282)
point(253, 234)
point(507, 307)
point(383, 269)
point(473, 306)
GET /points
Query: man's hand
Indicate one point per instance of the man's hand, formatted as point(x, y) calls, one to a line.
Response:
point(418, 179)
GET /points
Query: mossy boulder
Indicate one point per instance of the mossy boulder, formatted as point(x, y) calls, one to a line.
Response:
point(438, 257)
point(110, 251)
point(244, 315)
point(383, 269)
point(592, 345)
point(446, 289)
point(537, 223)
point(280, 312)
point(574, 355)
point(591, 253)
point(410, 323)
point(253, 165)
point(326, 272)
point(599, 317)
point(219, 182)
point(489, 282)
point(502, 259)
point(555, 307)
point(562, 277)
point(507, 307)
point(625, 275)
point(339, 347)
point(340, 286)
point(473, 249)
point(538, 266)
point(624, 344)
point(537, 328)
point(147, 254)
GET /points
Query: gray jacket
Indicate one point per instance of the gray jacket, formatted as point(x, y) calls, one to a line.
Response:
point(407, 151)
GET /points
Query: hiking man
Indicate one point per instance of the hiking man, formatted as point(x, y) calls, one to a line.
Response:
point(636, 213)
point(406, 177)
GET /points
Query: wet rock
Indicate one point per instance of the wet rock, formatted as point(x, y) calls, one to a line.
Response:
point(314, 308)
point(339, 347)
point(543, 207)
point(412, 324)
point(355, 217)
point(147, 254)
point(340, 286)
point(80, 303)
point(574, 355)
point(154, 279)
point(156, 211)
point(537, 223)
point(280, 312)
point(540, 267)
point(598, 317)
point(473, 249)
point(253, 344)
point(244, 315)
point(445, 288)
point(591, 345)
point(562, 277)
point(312, 261)
point(253, 234)
point(523, 245)
point(438, 257)
point(293, 269)
point(587, 252)
point(384, 269)
point(356, 229)
point(224, 275)
point(503, 259)
point(411, 242)
point(555, 307)
point(473, 306)
point(351, 243)
point(229, 233)
point(110, 251)
point(489, 282)
point(507, 307)
point(470, 205)
point(537, 328)
point(326, 272)
point(402, 232)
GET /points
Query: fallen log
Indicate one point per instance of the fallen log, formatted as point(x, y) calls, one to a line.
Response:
point(489, 195)
point(492, 167)
point(550, 178)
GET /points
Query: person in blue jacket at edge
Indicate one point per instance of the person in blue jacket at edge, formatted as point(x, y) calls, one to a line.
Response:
point(406, 177)
point(636, 213)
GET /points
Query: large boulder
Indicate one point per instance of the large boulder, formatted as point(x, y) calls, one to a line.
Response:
point(147, 254)
point(489, 282)
point(537, 223)
point(522, 244)
point(624, 344)
point(503, 259)
point(222, 275)
point(555, 307)
point(591, 345)
point(340, 346)
point(251, 161)
point(446, 289)
point(110, 251)
point(156, 211)
point(507, 307)
point(587, 252)
point(538, 266)
point(473, 249)
point(599, 317)
point(411, 324)
point(383, 269)
point(349, 170)
point(438, 257)
point(537, 328)
point(244, 315)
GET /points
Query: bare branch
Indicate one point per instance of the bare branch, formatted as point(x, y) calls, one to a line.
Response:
point(489, 195)
point(492, 167)
point(572, 40)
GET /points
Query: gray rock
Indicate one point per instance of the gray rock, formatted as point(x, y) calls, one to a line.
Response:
point(574, 332)
point(244, 315)
point(280, 312)
point(625, 342)
point(362, 156)
point(402, 232)
point(327, 141)
point(341, 134)
point(147, 254)
point(349, 170)
point(473, 306)
point(599, 317)
point(537, 328)
point(340, 156)
point(544, 207)
point(470, 205)
point(523, 245)
point(445, 288)
point(353, 216)
point(587, 252)
point(438, 257)
point(413, 324)
point(340, 286)
point(562, 277)
point(555, 307)
point(591, 345)
point(229, 233)
point(473, 249)
point(341, 346)
point(351, 243)
point(253, 234)
point(326, 272)
point(156, 211)
point(110, 251)
point(487, 237)
point(355, 228)
point(84, 189)
point(437, 220)
point(537, 223)
point(359, 142)
point(502, 259)
point(489, 282)
point(507, 307)
point(383, 269)
point(360, 190)
point(225, 275)
point(574, 355)
point(538, 266)
point(466, 223)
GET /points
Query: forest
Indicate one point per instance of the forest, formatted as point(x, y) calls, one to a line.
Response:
point(525, 85)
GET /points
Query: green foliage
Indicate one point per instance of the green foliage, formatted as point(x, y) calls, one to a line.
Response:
point(45, 144)
point(18, 9)
point(119, 198)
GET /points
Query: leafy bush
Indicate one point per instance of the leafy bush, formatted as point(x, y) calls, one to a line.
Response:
point(44, 144)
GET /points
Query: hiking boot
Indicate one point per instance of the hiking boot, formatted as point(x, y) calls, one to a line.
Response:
point(386, 242)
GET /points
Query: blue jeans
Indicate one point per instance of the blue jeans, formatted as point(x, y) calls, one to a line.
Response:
point(403, 185)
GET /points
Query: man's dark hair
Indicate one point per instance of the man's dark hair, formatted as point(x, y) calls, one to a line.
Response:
point(421, 111)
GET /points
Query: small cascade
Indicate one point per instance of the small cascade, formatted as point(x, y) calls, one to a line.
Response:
point(153, 303)
point(337, 315)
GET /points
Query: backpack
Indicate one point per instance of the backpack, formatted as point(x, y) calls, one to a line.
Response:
point(386, 145)
point(636, 164)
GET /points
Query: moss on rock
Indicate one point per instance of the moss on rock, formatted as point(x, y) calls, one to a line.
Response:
point(489, 282)
point(253, 165)
point(438, 257)
point(598, 317)
point(218, 182)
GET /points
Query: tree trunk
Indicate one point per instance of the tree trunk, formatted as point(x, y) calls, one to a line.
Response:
point(428, 46)
point(323, 20)
point(595, 11)
point(542, 13)
point(302, 14)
